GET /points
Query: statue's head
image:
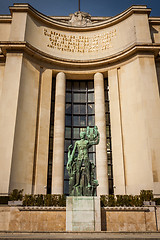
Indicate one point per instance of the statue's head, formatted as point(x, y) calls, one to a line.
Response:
point(82, 135)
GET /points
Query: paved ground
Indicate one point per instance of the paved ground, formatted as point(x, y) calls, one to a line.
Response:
point(79, 236)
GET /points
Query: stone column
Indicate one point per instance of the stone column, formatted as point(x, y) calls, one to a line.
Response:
point(117, 133)
point(59, 134)
point(100, 122)
point(8, 115)
point(25, 127)
point(41, 165)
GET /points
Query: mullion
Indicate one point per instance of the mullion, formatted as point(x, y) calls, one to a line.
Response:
point(87, 104)
point(72, 112)
point(51, 128)
point(108, 124)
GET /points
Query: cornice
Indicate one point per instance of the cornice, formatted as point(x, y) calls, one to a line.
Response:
point(154, 20)
point(17, 47)
point(141, 9)
point(5, 19)
point(67, 18)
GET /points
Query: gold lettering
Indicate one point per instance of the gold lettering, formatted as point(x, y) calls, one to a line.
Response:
point(79, 43)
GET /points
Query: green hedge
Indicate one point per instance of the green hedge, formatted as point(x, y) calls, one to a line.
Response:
point(146, 195)
point(126, 200)
point(44, 200)
point(37, 200)
point(60, 200)
point(121, 201)
point(16, 195)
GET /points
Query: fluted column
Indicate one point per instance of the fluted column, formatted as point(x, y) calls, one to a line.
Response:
point(100, 122)
point(59, 134)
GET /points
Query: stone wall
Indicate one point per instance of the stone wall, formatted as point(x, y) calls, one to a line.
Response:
point(158, 218)
point(51, 219)
point(35, 219)
point(130, 219)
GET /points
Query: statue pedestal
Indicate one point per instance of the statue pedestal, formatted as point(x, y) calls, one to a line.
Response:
point(83, 214)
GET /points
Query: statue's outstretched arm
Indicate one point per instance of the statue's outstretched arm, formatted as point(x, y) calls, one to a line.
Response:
point(95, 142)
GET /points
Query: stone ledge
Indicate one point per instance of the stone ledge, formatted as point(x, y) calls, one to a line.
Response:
point(139, 209)
point(29, 208)
point(23, 46)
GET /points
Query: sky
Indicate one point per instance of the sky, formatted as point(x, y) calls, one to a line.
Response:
point(94, 7)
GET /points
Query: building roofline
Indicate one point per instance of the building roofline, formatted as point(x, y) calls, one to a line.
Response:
point(24, 7)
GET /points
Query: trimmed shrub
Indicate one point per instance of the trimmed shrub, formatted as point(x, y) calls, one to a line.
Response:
point(16, 195)
point(146, 195)
point(48, 200)
point(38, 200)
point(44, 200)
point(29, 200)
point(108, 201)
point(121, 201)
point(62, 201)
point(111, 201)
point(137, 201)
point(103, 200)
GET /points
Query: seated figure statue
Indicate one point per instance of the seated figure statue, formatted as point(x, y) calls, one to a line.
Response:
point(81, 171)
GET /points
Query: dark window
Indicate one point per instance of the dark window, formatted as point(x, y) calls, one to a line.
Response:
point(51, 132)
point(79, 114)
point(108, 134)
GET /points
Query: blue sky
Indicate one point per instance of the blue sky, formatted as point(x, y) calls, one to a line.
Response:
point(94, 7)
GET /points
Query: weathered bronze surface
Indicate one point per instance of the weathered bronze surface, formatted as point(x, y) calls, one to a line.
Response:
point(81, 170)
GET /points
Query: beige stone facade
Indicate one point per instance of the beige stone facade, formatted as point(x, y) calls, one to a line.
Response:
point(37, 51)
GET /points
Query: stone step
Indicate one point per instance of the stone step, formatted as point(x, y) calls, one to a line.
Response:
point(80, 235)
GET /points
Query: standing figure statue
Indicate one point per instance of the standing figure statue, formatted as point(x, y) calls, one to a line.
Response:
point(81, 171)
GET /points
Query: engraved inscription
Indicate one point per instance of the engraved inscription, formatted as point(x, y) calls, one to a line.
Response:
point(80, 43)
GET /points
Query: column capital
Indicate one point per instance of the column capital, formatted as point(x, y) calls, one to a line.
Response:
point(61, 74)
point(98, 74)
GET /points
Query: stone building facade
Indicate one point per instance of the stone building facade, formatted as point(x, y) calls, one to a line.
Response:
point(60, 74)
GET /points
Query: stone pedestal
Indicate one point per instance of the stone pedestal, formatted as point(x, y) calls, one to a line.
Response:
point(83, 214)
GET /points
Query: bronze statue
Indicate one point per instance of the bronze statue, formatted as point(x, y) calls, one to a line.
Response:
point(81, 171)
